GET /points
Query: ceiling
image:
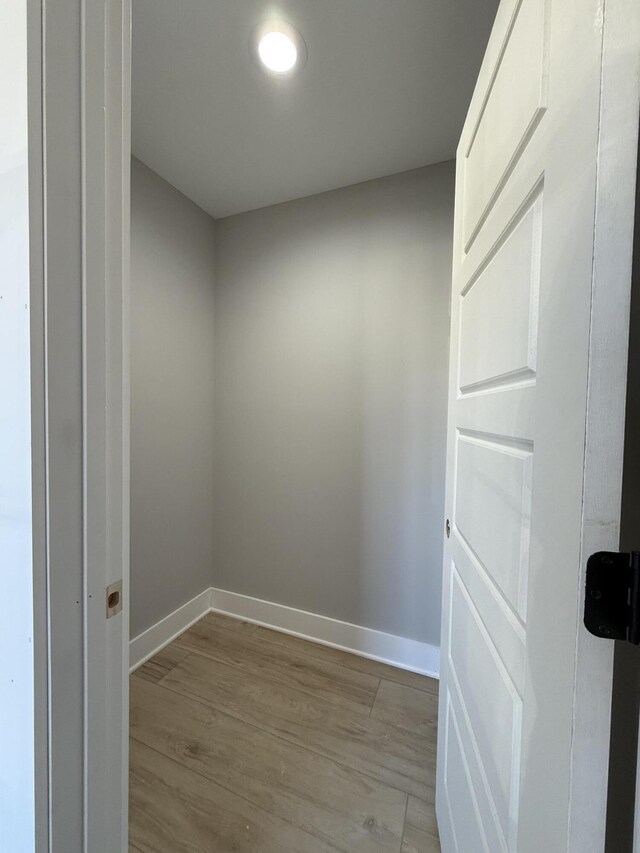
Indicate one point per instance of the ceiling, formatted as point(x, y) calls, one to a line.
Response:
point(385, 89)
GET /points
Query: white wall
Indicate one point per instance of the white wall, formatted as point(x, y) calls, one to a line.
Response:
point(331, 355)
point(16, 621)
point(172, 269)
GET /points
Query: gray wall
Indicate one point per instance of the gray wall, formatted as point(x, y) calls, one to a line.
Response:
point(331, 353)
point(172, 270)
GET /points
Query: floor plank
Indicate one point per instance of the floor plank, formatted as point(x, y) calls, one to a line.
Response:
point(325, 679)
point(351, 661)
point(406, 707)
point(421, 816)
point(395, 756)
point(415, 841)
point(161, 663)
point(222, 620)
point(354, 812)
point(174, 810)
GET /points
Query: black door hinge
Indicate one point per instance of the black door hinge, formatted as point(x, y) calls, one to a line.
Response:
point(612, 600)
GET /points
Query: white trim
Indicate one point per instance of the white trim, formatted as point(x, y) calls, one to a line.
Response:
point(155, 638)
point(615, 203)
point(365, 642)
point(396, 651)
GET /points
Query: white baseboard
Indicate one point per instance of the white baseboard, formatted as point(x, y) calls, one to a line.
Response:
point(366, 642)
point(155, 638)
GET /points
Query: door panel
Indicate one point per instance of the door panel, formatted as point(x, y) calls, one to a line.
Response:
point(521, 400)
point(460, 779)
point(499, 308)
point(491, 701)
point(493, 492)
point(504, 628)
point(512, 106)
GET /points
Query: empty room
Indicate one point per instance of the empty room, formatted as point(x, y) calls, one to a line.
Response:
point(319, 377)
point(292, 199)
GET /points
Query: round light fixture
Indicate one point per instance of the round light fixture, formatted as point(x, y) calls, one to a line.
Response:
point(278, 48)
point(277, 52)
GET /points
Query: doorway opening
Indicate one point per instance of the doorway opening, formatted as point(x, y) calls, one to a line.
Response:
point(292, 205)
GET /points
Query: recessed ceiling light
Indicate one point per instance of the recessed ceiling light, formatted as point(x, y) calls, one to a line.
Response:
point(278, 52)
point(278, 48)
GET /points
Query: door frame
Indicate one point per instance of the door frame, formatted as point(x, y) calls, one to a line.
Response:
point(607, 392)
point(79, 155)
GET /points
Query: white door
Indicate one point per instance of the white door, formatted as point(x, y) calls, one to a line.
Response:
point(541, 281)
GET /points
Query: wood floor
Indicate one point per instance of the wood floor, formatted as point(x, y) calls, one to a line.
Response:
point(244, 740)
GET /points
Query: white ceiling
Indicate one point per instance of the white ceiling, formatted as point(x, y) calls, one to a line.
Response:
point(385, 89)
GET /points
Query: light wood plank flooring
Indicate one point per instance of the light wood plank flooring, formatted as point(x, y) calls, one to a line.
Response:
point(245, 740)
